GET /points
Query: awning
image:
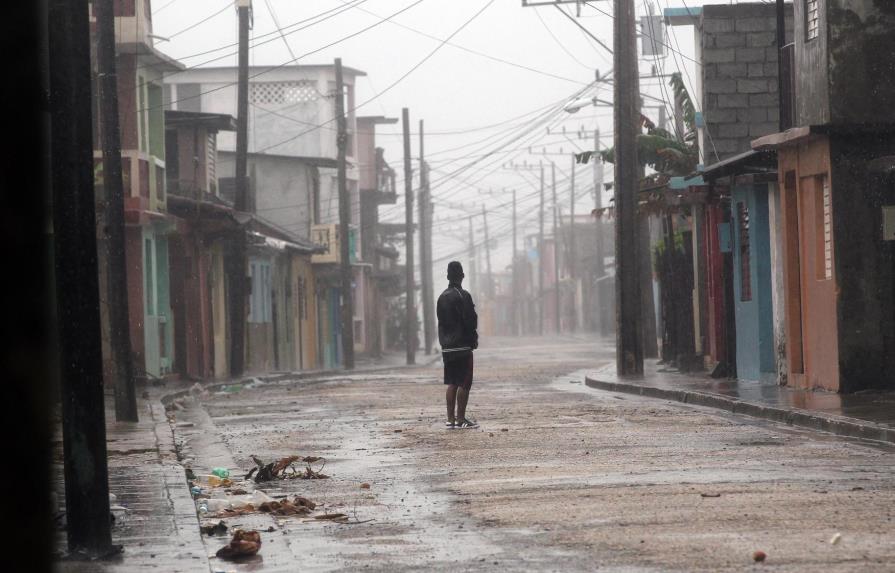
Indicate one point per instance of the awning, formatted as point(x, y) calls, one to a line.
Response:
point(749, 162)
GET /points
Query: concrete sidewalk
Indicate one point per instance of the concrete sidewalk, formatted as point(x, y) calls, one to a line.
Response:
point(866, 415)
point(160, 529)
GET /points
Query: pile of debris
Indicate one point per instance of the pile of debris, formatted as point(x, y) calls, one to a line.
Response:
point(284, 468)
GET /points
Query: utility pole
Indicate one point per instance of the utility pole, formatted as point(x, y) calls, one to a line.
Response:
point(77, 281)
point(410, 331)
point(472, 273)
point(489, 288)
point(573, 254)
point(629, 341)
point(239, 261)
point(599, 268)
point(344, 224)
point(425, 262)
point(515, 276)
point(556, 305)
point(541, 258)
point(116, 269)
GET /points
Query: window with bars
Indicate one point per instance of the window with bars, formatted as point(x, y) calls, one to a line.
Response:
point(811, 19)
point(301, 91)
point(745, 251)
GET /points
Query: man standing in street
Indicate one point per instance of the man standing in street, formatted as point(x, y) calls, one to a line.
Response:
point(457, 324)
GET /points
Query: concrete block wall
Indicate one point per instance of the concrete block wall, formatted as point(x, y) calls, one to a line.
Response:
point(739, 73)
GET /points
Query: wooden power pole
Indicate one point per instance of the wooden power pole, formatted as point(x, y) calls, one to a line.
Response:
point(410, 331)
point(347, 308)
point(515, 275)
point(116, 264)
point(239, 261)
point(541, 259)
point(489, 288)
point(425, 240)
point(573, 253)
point(556, 305)
point(77, 281)
point(629, 341)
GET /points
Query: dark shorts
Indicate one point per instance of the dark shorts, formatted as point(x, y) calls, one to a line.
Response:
point(458, 372)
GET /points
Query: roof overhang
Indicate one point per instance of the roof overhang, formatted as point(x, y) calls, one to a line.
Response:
point(211, 121)
point(377, 119)
point(748, 162)
point(315, 161)
point(150, 56)
point(686, 16)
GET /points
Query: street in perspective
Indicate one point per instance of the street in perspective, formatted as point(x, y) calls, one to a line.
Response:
point(496, 285)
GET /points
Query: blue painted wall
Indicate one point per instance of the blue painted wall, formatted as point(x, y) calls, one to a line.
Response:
point(754, 318)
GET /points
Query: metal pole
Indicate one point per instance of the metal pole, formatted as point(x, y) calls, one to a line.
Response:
point(239, 261)
point(472, 273)
point(410, 331)
point(344, 227)
point(629, 342)
point(116, 264)
point(77, 281)
point(602, 325)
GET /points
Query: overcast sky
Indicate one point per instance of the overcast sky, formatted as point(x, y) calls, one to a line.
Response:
point(499, 109)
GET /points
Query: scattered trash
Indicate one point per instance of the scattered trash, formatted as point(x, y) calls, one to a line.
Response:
point(218, 528)
point(398, 431)
point(504, 429)
point(243, 544)
point(221, 472)
point(710, 494)
point(337, 517)
point(857, 488)
point(284, 507)
point(365, 486)
point(278, 469)
point(189, 474)
point(195, 490)
point(835, 539)
point(759, 556)
point(212, 481)
point(230, 388)
point(185, 424)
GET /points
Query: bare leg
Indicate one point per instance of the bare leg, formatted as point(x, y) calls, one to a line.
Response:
point(462, 399)
point(451, 397)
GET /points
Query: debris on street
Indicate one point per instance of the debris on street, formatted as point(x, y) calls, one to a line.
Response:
point(219, 528)
point(278, 469)
point(835, 539)
point(243, 544)
point(759, 556)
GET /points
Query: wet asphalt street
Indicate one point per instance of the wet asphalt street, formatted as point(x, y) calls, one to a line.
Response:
point(558, 477)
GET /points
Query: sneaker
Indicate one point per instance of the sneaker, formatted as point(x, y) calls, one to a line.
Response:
point(467, 424)
point(450, 425)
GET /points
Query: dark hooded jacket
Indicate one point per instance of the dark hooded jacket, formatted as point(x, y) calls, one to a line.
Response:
point(457, 322)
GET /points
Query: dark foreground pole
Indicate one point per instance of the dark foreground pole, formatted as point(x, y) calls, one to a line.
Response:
point(120, 337)
point(410, 330)
point(347, 309)
point(629, 341)
point(77, 281)
point(27, 366)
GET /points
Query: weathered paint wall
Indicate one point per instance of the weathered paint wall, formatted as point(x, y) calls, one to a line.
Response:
point(845, 74)
point(752, 283)
point(863, 262)
point(778, 292)
point(812, 325)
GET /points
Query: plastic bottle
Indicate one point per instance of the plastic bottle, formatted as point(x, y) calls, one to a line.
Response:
point(221, 472)
point(195, 490)
point(215, 505)
point(209, 480)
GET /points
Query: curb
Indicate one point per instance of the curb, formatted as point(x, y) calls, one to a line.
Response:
point(309, 375)
point(838, 425)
